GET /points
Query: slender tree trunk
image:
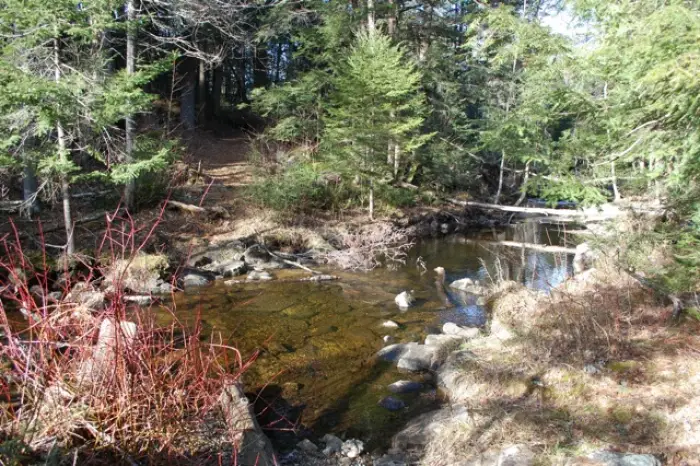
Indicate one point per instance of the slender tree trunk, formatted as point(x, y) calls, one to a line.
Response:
point(371, 199)
point(391, 20)
point(217, 83)
point(370, 17)
point(188, 111)
point(130, 124)
point(524, 189)
point(497, 198)
point(614, 182)
point(202, 88)
point(29, 187)
point(63, 157)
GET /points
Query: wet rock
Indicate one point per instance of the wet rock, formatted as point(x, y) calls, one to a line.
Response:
point(391, 403)
point(394, 352)
point(139, 300)
point(404, 299)
point(256, 256)
point(445, 228)
point(233, 269)
point(417, 358)
point(259, 275)
point(405, 386)
point(466, 332)
point(352, 448)
point(142, 274)
point(390, 460)
point(608, 458)
point(85, 297)
point(194, 278)
point(468, 285)
point(333, 444)
point(390, 324)
point(307, 446)
point(387, 338)
point(451, 376)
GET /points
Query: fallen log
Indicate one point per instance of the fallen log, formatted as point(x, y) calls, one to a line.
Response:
point(187, 207)
point(315, 278)
point(520, 245)
point(524, 210)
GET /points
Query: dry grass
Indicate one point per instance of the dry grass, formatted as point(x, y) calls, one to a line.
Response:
point(594, 365)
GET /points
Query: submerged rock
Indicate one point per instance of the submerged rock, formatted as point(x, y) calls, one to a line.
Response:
point(387, 338)
point(352, 448)
point(391, 403)
point(417, 358)
point(194, 278)
point(404, 299)
point(395, 351)
point(259, 275)
point(466, 332)
point(390, 324)
point(233, 269)
point(405, 386)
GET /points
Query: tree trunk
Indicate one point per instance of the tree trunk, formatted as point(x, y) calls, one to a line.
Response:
point(188, 111)
point(391, 20)
point(524, 188)
point(260, 76)
point(130, 124)
point(202, 88)
point(29, 188)
point(63, 157)
point(217, 83)
point(497, 198)
point(370, 17)
point(371, 199)
point(614, 182)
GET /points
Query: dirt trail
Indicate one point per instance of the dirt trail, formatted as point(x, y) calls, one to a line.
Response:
point(224, 159)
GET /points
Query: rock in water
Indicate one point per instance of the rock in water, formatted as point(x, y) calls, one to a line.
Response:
point(233, 269)
point(333, 444)
point(194, 278)
point(468, 286)
point(584, 258)
point(390, 324)
point(391, 403)
point(405, 386)
point(387, 338)
point(404, 299)
point(260, 276)
point(395, 351)
point(417, 358)
point(465, 332)
point(352, 448)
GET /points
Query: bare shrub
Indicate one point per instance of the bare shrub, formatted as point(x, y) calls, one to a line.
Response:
point(369, 247)
point(110, 385)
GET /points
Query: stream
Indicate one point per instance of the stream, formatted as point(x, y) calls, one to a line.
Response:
point(316, 372)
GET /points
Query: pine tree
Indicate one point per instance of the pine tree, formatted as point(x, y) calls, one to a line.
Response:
point(377, 99)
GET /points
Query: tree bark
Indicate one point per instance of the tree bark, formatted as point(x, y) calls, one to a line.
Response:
point(63, 157)
point(524, 188)
point(130, 124)
point(217, 83)
point(391, 20)
point(202, 88)
point(188, 111)
point(29, 187)
point(371, 27)
point(497, 198)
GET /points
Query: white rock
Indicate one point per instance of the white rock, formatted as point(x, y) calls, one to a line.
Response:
point(352, 448)
point(390, 324)
point(387, 338)
point(404, 299)
point(585, 258)
point(516, 455)
point(468, 286)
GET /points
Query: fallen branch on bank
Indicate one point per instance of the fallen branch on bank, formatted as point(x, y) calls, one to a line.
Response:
point(524, 210)
point(315, 278)
point(187, 207)
point(520, 245)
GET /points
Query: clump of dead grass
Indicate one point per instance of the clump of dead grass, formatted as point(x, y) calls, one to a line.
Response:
point(594, 365)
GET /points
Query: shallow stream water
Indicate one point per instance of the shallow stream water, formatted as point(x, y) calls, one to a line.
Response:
point(316, 372)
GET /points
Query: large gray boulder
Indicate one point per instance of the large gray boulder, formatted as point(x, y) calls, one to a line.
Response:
point(417, 358)
point(421, 430)
point(253, 447)
point(451, 328)
point(609, 458)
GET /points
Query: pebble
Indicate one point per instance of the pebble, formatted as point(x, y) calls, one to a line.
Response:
point(390, 324)
point(387, 338)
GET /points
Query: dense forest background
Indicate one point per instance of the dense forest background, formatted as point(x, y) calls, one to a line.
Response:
point(352, 104)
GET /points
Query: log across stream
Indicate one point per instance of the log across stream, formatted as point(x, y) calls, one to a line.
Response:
point(316, 370)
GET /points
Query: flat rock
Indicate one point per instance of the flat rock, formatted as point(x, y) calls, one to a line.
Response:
point(451, 328)
point(468, 286)
point(443, 340)
point(194, 278)
point(404, 299)
point(259, 275)
point(608, 458)
point(419, 431)
point(417, 358)
point(390, 460)
point(395, 351)
point(233, 269)
point(391, 403)
point(405, 386)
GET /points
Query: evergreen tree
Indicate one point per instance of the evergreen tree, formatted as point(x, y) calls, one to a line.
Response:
point(376, 100)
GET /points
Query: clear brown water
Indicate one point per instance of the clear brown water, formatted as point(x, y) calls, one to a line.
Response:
point(316, 371)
